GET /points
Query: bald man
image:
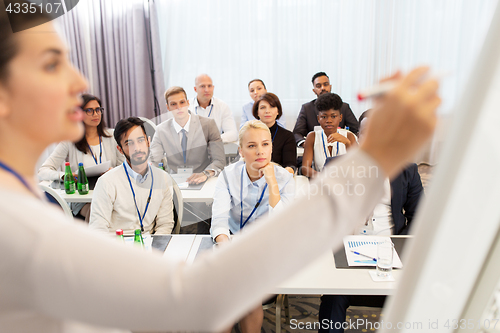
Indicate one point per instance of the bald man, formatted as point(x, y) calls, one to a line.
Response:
point(206, 105)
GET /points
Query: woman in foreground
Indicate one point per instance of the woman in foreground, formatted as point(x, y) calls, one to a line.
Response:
point(57, 276)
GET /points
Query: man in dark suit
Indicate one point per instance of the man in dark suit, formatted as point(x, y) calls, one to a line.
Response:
point(308, 115)
point(405, 190)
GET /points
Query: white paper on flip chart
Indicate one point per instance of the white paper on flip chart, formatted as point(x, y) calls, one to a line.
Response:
point(98, 169)
point(366, 245)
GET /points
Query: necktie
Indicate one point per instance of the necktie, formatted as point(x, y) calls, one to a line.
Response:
point(184, 142)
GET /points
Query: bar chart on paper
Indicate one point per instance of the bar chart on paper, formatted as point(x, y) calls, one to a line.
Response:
point(361, 250)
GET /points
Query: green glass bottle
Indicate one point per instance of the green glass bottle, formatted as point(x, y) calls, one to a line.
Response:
point(138, 238)
point(119, 235)
point(83, 182)
point(69, 180)
point(160, 165)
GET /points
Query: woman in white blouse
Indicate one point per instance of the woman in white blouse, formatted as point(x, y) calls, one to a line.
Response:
point(96, 146)
point(248, 190)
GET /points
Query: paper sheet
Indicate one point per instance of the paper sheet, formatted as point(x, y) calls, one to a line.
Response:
point(366, 245)
point(148, 242)
point(97, 170)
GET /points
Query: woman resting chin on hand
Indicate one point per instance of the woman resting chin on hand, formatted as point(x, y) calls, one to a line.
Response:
point(248, 190)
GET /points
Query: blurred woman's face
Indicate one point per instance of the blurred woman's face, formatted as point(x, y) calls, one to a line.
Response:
point(256, 148)
point(40, 99)
point(91, 117)
point(256, 90)
point(267, 113)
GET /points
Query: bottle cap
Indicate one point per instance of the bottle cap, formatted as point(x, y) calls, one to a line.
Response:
point(119, 232)
point(80, 164)
point(66, 164)
point(137, 231)
point(160, 164)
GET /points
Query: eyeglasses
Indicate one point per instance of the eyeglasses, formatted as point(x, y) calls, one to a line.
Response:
point(90, 111)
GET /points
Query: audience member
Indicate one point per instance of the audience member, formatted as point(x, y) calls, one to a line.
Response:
point(95, 147)
point(392, 216)
point(330, 140)
point(256, 89)
point(189, 142)
point(268, 110)
point(248, 190)
point(308, 115)
point(206, 105)
point(134, 195)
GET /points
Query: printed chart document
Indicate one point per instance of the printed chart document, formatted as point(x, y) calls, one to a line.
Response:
point(367, 247)
point(98, 169)
point(181, 180)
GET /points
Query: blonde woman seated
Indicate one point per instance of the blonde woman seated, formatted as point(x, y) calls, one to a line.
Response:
point(328, 142)
point(97, 146)
point(247, 190)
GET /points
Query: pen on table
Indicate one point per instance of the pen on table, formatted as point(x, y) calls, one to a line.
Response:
point(384, 87)
point(364, 255)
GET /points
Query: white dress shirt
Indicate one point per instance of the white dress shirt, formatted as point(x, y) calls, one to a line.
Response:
point(221, 113)
point(55, 272)
point(226, 209)
point(178, 128)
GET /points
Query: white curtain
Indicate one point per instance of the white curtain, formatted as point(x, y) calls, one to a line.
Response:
point(109, 43)
point(284, 42)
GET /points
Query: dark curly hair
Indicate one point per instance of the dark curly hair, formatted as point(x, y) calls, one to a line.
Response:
point(328, 101)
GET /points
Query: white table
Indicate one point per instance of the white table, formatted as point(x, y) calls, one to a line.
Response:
point(320, 277)
point(206, 194)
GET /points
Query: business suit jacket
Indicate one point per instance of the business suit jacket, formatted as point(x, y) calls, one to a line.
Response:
point(205, 150)
point(406, 191)
point(308, 118)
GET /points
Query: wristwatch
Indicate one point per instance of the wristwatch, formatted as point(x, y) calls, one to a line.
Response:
point(206, 173)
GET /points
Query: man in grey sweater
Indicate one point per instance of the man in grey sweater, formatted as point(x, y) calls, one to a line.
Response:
point(133, 195)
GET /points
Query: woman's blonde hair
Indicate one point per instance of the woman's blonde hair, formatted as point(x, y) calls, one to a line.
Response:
point(252, 124)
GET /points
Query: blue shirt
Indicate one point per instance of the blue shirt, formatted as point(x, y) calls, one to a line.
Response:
point(226, 210)
point(248, 115)
point(137, 176)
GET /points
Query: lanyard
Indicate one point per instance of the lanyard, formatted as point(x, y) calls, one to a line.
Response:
point(100, 152)
point(242, 224)
point(18, 176)
point(133, 193)
point(324, 147)
point(276, 131)
point(211, 107)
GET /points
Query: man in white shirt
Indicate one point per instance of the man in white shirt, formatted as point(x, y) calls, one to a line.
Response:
point(133, 195)
point(190, 142)
point(204, 104)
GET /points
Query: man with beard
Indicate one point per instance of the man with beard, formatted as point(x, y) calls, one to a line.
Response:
point(133, 195)
point(308, 115)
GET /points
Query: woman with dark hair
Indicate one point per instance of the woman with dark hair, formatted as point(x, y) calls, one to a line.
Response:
point(95, 147)
point(268, 110)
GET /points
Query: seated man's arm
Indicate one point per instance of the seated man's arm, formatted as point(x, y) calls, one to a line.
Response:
point(350, 119)
point(215, 148)
point(101, 209)
point(157, 148)
point(228, 125)
point(165, 216)
point(300, 129)
point(414, 193)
